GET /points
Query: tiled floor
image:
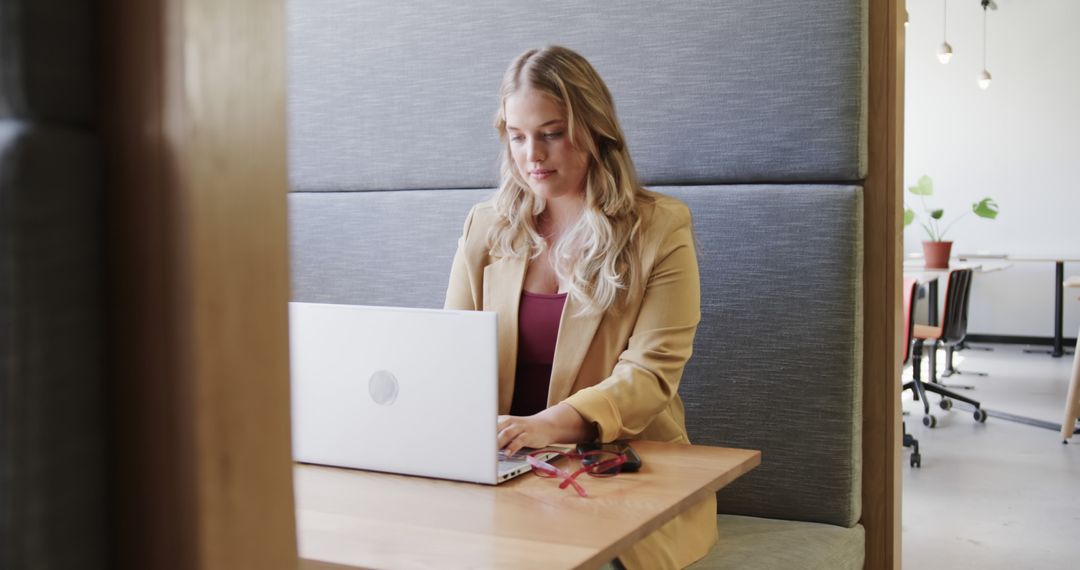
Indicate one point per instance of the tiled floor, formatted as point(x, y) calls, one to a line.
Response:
point(997, 494)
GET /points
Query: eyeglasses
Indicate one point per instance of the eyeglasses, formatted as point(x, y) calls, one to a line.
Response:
point(596, 463)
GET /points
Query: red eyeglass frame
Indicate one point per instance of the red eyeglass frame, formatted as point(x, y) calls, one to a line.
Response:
point(542, 468)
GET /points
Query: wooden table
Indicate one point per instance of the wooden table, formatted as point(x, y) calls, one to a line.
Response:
point(349, 518)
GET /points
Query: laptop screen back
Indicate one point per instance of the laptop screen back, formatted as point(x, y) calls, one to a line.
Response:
point(410, 391)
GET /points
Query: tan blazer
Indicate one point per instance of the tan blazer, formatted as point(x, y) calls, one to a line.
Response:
point(620, 370)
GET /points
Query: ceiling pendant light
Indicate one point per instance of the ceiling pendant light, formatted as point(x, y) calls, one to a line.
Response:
point(984, 77)
point(944, 52)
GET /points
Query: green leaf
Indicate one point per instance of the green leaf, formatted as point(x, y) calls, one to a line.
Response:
point(987, 208)
point(924, 187)
point(936, 214)
point(909, 216)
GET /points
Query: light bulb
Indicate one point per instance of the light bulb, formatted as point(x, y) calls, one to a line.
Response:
point(984, 79)
point(944, 53)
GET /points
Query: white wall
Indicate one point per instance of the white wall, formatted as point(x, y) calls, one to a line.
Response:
point(1017, 142)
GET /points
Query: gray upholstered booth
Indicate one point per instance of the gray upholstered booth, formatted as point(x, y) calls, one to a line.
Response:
point(752, 112)
point(52, 420)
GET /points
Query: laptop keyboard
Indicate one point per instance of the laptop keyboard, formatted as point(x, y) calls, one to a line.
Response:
point(513, 462)
point(517, 456)
point(517, 461)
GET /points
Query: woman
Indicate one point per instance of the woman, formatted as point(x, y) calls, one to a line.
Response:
point(594, 280)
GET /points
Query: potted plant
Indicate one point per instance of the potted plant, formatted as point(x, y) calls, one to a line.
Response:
point(936, 251)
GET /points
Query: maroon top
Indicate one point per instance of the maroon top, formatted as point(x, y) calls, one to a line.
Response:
point(538, 328)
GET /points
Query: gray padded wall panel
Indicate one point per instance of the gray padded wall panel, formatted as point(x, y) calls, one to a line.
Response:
point(777, 362)
point(778, 351)
point(47, 55)
point(402, 94)
point(53, 509)
point(376, 248)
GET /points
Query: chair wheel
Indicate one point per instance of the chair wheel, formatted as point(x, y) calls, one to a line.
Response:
point(980, 415)
point(929, 421)
point(916, 460)
point(946, 404)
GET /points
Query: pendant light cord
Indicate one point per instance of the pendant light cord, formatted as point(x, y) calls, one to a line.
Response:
point(945, 22)
point(984, 36)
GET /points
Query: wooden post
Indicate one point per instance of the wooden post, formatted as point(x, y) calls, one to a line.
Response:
point(882, 274)
point(193, 107)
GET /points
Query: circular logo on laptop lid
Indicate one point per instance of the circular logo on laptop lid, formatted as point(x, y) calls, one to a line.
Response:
point(383, 387)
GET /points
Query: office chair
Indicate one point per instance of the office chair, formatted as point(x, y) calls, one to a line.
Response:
point(952, 330)
point(910, 284)
point(952, 347)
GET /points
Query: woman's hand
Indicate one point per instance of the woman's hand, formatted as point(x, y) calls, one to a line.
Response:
point(560, 423)
point(516, 432)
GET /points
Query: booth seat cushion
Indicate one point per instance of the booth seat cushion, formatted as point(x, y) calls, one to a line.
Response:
point(389, 248)
point(749, 543)
point(776, 262)
point(777, 358)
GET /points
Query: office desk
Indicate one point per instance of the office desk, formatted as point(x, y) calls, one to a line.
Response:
point(348, 518)
point(1059, 277)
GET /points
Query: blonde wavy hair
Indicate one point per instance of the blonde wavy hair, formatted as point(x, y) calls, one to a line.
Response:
point(600, 255)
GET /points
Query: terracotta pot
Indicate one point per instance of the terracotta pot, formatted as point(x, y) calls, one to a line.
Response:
point(936, 254)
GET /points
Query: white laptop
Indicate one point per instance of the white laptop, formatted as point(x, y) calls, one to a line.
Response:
point(411, 391)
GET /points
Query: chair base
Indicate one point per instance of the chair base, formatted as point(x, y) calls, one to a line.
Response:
point(910, 441)
point(920, 388)
point(1034, 422)
point(951, 369)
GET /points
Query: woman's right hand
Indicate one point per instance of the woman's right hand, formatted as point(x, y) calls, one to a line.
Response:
point(560, 423)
